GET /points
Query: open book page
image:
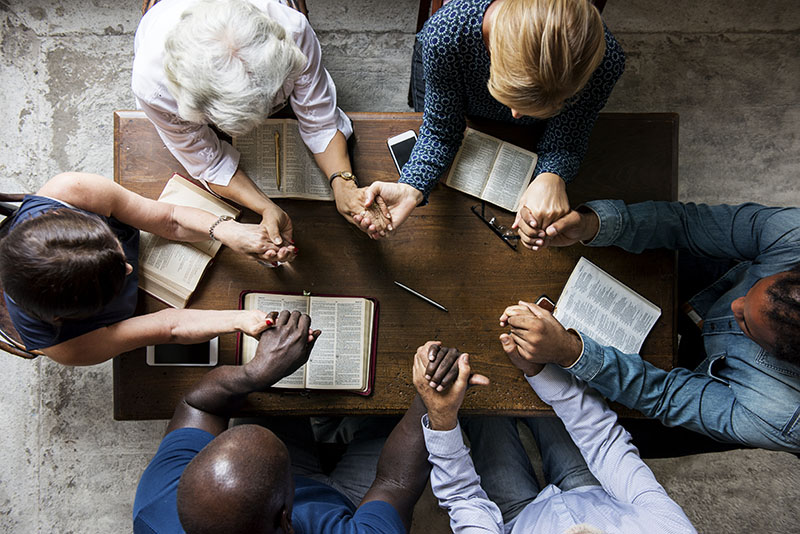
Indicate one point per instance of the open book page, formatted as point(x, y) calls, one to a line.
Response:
point(182, 192)
point(257, 156)
point(473, 163)
point(300, 176)
point(300, 172)
point(267, 302)
point(598, 305)
point(179, 263)
point(337, 361)
point(511, 174)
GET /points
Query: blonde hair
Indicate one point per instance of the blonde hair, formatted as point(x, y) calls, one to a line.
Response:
point(543, 52)
point(225, 61)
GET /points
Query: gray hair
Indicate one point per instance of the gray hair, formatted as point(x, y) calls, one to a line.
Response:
point(225, 61)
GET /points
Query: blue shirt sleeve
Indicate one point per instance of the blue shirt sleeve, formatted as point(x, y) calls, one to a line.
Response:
point(443, 120)
point(321, 509)
point(566, 136)
point(155, 508)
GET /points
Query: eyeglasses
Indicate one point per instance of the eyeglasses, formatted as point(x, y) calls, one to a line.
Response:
point(509, 236)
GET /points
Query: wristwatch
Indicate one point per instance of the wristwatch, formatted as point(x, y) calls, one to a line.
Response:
point(344, 175)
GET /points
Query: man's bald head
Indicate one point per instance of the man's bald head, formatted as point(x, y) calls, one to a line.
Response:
point(239, 483)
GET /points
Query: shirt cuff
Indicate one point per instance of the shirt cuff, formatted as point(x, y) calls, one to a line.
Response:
point(610, 219)
point(443, 443)
point(590, 362)
point(222, 173)
point(317, 139)
point(562, 163)
point(549, 382)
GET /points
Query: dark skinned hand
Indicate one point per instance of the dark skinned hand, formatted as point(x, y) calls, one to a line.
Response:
point(443, 404)
point(282, 349)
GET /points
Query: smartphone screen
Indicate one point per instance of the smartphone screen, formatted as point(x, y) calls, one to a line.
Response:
point(401, 151)
point(195, 354)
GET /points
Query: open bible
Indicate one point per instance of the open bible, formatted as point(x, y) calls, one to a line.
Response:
point(171, 270)
point(281, 165)
point(343, 357)
point(600, 306)
point(491, 169)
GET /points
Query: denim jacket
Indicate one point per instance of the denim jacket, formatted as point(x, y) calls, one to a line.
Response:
point(740, 393)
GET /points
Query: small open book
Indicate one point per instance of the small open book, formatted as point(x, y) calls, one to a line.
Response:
point(491, 169)
point(264, 156)
point(343, 357)
point(171, 270)
point(600, 306)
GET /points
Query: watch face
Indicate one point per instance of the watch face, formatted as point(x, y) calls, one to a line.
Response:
point(347, 175)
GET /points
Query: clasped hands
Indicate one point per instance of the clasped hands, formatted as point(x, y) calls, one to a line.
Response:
point(535, 338)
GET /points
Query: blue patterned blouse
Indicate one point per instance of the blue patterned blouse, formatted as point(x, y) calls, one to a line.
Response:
point(456, 71)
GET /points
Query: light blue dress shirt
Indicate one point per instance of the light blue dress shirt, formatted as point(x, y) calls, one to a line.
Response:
point(630, 500)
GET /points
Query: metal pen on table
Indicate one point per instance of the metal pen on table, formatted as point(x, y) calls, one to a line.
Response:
point(420, 295)
point(278, 160)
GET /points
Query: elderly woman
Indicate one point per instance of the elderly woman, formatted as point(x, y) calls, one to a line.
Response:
point(231, 63)
point(68, 266)
point(550, 63)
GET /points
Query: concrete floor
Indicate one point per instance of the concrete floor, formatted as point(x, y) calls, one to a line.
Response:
point(732, 71)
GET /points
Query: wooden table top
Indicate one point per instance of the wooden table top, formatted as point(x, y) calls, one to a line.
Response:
point(442, 250)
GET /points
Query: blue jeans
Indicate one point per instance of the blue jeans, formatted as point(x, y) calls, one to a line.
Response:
point(506, 473)
point(355, 471)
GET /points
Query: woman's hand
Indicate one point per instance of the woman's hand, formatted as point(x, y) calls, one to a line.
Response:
point(544, 202)
point(399, 200)
point(279, 230)
point(254, 240)
point(351, 203)
point(253, 322)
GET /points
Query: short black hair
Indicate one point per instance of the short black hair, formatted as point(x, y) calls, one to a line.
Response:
point(63, 264)
point(784, 313)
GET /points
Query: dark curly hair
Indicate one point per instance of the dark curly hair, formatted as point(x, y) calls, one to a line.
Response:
point(784, 296)
point(62, 264)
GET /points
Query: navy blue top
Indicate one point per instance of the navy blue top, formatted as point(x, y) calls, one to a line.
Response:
point(318, 508)
point(456, 70)
point(38, 334)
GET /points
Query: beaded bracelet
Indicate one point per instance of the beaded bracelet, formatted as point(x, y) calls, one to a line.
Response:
point(221, 219)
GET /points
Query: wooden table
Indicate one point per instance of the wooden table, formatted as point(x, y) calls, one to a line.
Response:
point(442, 250)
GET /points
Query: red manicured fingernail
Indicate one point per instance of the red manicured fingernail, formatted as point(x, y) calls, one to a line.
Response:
point(274, 264)
point(296, 250)
point(269, 322)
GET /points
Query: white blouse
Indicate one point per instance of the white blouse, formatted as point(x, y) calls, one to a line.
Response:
point(312, 95)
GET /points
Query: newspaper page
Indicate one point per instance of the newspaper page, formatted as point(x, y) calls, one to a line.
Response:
point(608, 311)
point(512, 171)
point(337, 361)
point(267, 303)
point(473, 163)
point(182, 192)
point(300, 176)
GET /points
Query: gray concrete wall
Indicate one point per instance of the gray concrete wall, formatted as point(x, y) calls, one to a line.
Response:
point(730, 68)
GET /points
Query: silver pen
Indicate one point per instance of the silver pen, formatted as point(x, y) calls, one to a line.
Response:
point(420, 295)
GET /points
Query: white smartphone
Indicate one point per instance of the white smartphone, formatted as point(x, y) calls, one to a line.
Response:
point(194, 355)
point(400, 146)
